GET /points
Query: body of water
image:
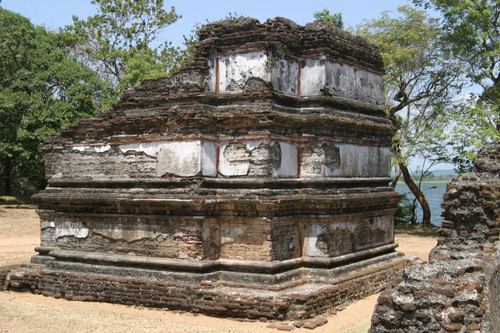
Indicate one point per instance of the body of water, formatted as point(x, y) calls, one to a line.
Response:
point(433, 191)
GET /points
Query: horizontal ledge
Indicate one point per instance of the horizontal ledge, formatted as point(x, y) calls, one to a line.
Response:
point(199, 217)
point(227, 206)
point(244, 182)
point(266, 96)
point(215, 265)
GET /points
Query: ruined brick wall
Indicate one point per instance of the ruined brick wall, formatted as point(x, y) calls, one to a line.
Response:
point(458, 291)
point(274, 133)
point(253, 182)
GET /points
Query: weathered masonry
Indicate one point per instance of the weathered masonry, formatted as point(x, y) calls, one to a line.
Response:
point(459, 289)
point(251, 183)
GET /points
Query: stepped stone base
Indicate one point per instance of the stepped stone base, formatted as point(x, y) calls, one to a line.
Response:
point(298, 293)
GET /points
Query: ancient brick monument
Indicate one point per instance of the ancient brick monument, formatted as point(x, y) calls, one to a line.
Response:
point(459, 290)
point(251, 183)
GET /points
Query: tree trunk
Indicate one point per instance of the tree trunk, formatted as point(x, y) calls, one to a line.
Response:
point(7, 184)
point(426, 221)
point(397, 174)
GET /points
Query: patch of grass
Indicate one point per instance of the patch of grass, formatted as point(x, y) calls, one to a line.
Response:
point(417, 230)
point(15, 203)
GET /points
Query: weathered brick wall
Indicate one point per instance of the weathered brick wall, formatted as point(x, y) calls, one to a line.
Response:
point(458, 291)
point(214, 161)
point(494, 296)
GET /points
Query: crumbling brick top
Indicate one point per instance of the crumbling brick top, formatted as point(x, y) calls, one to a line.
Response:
point(318, 38)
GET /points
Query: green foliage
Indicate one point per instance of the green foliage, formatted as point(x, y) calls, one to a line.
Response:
point(472, 31)
point(117, 41)
point(406, 212)
point(464, 129)
point(420, 79)
point(335, 18)
point(140, 66)
point(431, 177)
point(42, 90)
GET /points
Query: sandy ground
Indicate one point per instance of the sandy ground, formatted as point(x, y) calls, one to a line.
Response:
point(24, 312)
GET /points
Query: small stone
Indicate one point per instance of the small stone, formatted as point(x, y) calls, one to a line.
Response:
point(385, 298)
point(452, 327)
point(310, 325)
point(421, 293)
point(285, 327)
point(489, 250)
point(408, 307)
point(375, 321)
point(320, 321)
point(470, 285)
point(263, 319)
point(442, 291)
point(299, 324)
point(473, 327)
point(382, 309)
point(458, 316)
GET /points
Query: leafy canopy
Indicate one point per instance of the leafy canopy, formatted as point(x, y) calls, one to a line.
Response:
point(43, 89)
point(471, 30)
point(335, 18)
point(118, 41)
point(421, 79)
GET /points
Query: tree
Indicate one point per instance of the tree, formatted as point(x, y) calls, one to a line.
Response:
point(420, 81)
point(471, 30)
point(42, 90)
point(335, 18)
point(467, 125)
point(117, 41)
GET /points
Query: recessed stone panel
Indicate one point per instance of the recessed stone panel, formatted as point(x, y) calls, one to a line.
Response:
point(325, 77)
point(234, 159)
point(344, 160)
point(236, 70)
point(245, 242)
point(71, 229)
point(179, 159)
point(208, 158)
point(320, 159)
point(354, 234)
point(284, 75)
point(288, 163)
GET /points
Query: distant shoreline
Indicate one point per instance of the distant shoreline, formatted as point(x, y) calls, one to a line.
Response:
point(428, 181)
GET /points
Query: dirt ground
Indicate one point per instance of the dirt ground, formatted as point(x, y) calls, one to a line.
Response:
point(24, 312)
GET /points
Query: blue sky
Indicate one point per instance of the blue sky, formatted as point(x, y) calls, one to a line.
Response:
point(56, 13)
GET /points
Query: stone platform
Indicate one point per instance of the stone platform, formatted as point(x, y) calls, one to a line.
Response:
point(294, 294)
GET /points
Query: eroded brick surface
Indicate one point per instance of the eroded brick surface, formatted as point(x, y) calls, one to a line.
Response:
point(458, 291)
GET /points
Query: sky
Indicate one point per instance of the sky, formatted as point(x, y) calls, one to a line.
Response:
point(57, 13)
